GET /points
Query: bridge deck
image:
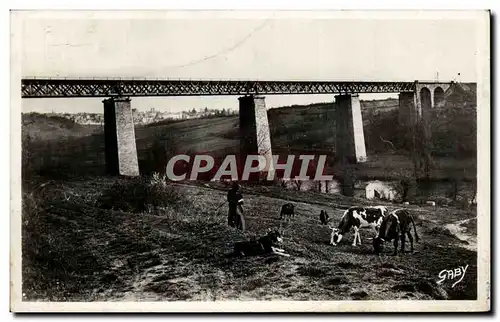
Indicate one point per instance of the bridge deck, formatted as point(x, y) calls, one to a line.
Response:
point(48, 87)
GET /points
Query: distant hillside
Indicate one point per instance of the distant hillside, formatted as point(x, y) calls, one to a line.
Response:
point(79, 150)
point(47, 127)
point(294, 130)
point(383, 105)
point(463, 95)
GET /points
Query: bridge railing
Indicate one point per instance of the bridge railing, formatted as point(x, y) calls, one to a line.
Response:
point(95, 87)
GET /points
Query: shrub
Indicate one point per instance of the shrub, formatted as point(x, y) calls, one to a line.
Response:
point(140, 194)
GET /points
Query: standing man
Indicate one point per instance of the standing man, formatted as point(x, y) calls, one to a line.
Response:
point(235, 201)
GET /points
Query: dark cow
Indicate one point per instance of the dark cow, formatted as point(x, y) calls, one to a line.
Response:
point(262, 246)
point(323, 217)
point(394, 227)
point(287, 210)
point(358, 217)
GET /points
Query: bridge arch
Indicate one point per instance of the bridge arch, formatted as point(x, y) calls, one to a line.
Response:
point(425, 99)
point(438, 96)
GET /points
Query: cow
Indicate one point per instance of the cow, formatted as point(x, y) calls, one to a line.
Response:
point(287, 210)
point(358, 217)
point(323, 217)
point(395, 226)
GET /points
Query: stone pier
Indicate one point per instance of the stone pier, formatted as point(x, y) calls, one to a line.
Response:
point(119, 136)
point(408, 113)
point(414, 110)
point(255, 137)
point(350, 139)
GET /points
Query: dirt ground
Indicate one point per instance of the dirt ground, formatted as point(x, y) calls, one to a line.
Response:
point(183, 253)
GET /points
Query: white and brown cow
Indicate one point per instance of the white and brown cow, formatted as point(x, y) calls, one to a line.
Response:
point(358, 217)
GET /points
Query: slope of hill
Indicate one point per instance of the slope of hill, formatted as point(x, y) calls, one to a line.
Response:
point(294, 130)
point(51, 127)
point(74, 249)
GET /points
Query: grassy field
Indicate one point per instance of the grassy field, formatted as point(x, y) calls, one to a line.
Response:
point(79, 247)
point(76, 250)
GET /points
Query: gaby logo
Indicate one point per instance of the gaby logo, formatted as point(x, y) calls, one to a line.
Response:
point(452, 274)
point(305, 167)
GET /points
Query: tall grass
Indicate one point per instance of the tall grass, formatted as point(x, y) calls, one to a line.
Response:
point(71, 236)
point(140, 194)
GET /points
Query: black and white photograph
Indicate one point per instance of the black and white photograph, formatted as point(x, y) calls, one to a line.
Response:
point(250, 161)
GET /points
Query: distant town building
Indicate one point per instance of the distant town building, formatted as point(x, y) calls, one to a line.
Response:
point(148, 117)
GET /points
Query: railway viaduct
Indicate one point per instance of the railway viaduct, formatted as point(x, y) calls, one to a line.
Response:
point(120, 145)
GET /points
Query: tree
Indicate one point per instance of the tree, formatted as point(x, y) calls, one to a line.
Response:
point(407, 183)
point(421, 150)
point(454, 134)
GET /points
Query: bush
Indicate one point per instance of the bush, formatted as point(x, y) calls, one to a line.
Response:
point(140, 194)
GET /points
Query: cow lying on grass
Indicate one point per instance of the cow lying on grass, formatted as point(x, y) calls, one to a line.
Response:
point(394, 227)
point(262, 246)
point(358, 217)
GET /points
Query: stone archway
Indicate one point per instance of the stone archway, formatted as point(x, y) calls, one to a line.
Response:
point(425, 99)
point(438, 97)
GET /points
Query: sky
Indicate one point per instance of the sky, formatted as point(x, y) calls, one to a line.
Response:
point(266, 47)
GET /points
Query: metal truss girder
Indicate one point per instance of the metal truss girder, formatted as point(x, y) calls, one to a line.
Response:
point(112, 87)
